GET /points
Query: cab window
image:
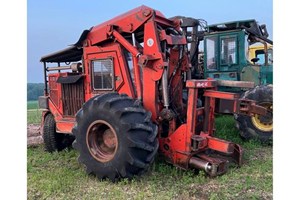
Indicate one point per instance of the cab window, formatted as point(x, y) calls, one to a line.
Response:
point(261, 55)
point(102, 74)
point(228, 51)
point(211, 53)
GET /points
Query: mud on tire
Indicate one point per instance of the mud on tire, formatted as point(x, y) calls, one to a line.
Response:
point(263, 95)
point(115, 137)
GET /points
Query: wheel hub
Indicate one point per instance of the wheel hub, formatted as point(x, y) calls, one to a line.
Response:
point(264, 123)
point(102, 141)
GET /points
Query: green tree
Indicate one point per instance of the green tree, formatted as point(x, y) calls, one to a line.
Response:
point(34, 90)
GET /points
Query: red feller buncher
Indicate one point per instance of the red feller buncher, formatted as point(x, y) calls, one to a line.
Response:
point(126, 93)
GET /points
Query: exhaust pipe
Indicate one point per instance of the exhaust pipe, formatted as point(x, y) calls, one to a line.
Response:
point(74, 67)
point(212, 166)
point(200, 164)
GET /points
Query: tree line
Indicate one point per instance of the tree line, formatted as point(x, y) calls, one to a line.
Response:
point(34, 90)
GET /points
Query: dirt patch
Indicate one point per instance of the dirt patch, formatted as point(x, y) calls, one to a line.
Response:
point(34, 135)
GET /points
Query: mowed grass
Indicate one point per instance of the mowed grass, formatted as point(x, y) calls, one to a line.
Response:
point(33, 113)
point(60, 176)
point(32, 105)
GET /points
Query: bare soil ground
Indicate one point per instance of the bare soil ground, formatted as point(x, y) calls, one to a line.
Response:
point(34, 136)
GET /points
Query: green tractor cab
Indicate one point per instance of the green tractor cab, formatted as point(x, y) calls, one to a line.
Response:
point(226, 58)
point(239, 55)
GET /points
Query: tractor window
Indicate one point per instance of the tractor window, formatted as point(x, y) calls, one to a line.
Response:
point(270, 56)
point(261, 55)
point(128, 58)
point(228, 51)
point(211, 53)
point(102, 74)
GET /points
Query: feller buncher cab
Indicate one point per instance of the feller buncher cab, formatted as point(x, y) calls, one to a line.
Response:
point(239, 56)
point(120, 91)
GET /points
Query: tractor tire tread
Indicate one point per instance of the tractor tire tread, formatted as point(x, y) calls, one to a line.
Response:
point(139, 142)
point(262, 93)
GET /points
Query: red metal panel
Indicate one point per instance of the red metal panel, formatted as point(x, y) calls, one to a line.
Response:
point(53, 89)
point(163, 21)
point(127, 22)
point(221, 95)
point(220, 145)
point(125, 44)
point(172, 39)
point(211, 115)
point(65, 126)
point(153, 69)
point(191, 113)
point(175, 148)
point(56, 91)
point(201, 83)
point(151, 41)
point(123, 83)
point(150, 101)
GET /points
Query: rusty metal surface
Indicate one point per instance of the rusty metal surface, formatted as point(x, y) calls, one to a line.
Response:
point(201, 83)
point(54, 91)
point(64, 126)
point(238, 154)
point(200, 164)
point(221, 95)
point(102, 141)
point(249, 107)
point(241, 84)
point(72, 97)
point(218, 165)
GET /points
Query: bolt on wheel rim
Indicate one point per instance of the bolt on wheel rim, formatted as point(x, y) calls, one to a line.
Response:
point(102, 141)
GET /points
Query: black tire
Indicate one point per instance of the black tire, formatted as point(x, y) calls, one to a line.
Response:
point(263, 95)
point(134, 143)
point(54, 141)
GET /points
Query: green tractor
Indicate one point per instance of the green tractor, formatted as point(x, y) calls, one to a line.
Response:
point(225, 52)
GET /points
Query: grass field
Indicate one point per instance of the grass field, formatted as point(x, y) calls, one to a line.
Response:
point(32, 105)
point(60, 176)
point(33, 113)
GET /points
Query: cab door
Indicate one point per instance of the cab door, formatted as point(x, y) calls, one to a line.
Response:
point(221, 59)
point(102, 72)
point(107, 71)
point(210, 56)
point(228, 59)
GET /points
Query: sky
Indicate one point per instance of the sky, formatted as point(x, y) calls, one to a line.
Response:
point(52, 25)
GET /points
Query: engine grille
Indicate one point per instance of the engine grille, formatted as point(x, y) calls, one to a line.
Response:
point(72, 97)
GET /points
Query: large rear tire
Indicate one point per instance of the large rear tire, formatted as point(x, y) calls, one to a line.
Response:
point(54, 141)
point(115, 137)
point(258, 127)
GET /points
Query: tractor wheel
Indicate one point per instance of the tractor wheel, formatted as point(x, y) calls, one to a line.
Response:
point(258, 127)
point(115, 137)
point(54, 141)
